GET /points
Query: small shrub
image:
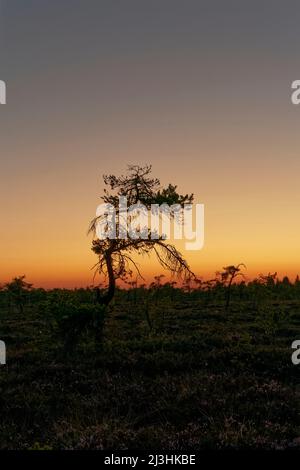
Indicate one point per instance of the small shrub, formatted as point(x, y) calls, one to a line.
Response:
point(73, 320)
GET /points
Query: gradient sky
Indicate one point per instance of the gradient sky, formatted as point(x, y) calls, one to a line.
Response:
point(200, 89)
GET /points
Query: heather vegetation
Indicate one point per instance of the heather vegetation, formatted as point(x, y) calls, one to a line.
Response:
point(162, 366)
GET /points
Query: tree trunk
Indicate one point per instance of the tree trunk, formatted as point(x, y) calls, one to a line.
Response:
point(228, 294)
point(107, 298)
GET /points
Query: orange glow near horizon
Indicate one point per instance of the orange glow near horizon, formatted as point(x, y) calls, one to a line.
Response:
point(44, 234)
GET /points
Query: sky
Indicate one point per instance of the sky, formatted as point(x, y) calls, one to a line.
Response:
point(199, 89)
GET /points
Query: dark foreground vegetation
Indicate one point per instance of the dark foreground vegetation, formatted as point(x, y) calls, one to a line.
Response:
point(165, 368)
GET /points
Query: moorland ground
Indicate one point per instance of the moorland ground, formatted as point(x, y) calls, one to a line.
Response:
point(174, 370)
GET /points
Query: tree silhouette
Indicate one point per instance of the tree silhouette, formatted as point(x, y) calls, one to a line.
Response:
point(268, 279)
point(17, 290)
point(226, 278)
point(115, 256)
